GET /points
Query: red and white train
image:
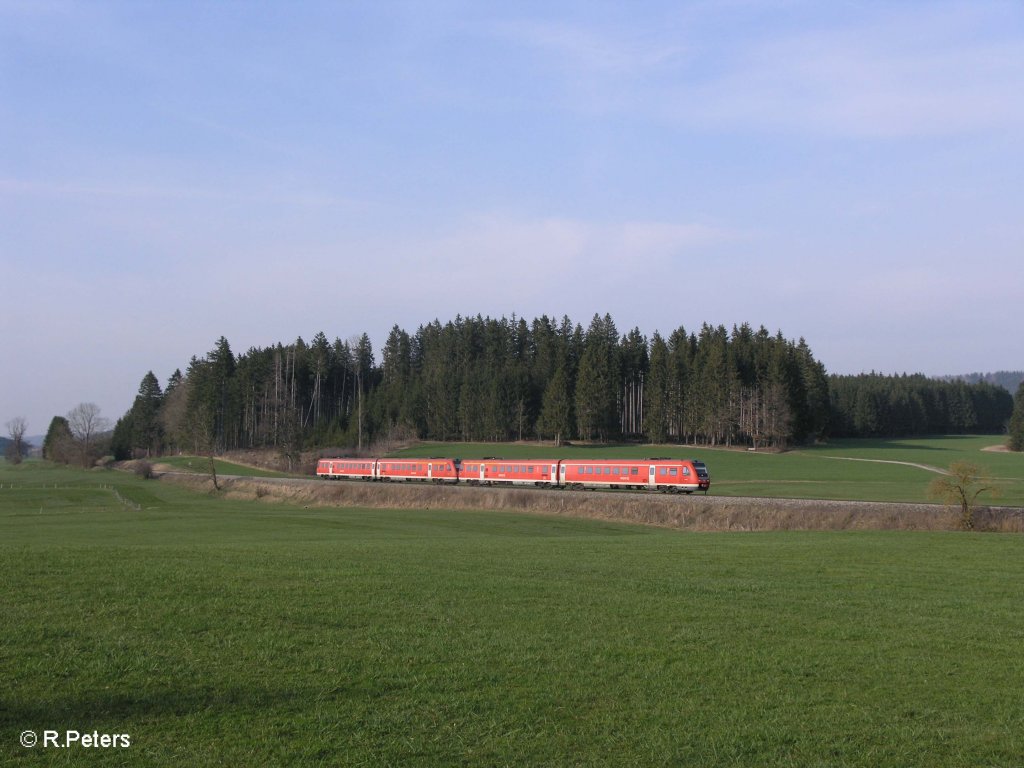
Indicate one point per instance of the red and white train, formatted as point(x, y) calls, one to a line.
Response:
point(659, 474)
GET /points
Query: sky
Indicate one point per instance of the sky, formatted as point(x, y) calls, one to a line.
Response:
point(172, 172)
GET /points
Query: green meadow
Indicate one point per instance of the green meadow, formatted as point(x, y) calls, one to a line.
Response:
point(201, 465)
point(221, 632)
point(856, 470)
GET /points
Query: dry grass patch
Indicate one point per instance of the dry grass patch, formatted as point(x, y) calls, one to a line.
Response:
point(695, 513)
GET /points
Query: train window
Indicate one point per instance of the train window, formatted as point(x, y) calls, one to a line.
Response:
point(686, 471)
point(530, 470)
point(607, 470)
point(635, 471)
point(672, 471)
point(663, 471)
point(590, 470)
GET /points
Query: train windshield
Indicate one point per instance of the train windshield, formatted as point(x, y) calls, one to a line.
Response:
point(702, 470)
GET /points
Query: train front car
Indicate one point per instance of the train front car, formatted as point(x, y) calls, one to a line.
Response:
point(703, 477)
point(679, 475)
point(659, 474)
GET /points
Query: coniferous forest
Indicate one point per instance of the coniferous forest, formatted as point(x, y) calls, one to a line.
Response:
point(485, 379)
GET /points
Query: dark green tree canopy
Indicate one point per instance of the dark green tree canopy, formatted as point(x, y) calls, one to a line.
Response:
point(1016, 425)
point(482, 378)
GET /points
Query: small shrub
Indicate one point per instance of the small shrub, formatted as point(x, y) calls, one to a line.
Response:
point(144, 469)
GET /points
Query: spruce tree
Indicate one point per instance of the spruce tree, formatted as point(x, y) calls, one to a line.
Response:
point(145, 429)
point(1016, 430)
point(556, 411)
point(656, 392)
point(57, 444)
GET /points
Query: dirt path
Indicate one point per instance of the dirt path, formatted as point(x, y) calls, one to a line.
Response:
point(925, 467)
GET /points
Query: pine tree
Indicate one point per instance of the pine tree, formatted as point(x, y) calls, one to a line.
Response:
point(656, 392)
point(556, 411)
point(145, 429)
point(1016, 427)
point(57, 445)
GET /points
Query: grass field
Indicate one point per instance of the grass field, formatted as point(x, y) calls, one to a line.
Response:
point(201, 465)
point(844, 469)
point(216, 632)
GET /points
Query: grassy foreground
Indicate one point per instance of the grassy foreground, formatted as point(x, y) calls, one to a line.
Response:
point(216, 632)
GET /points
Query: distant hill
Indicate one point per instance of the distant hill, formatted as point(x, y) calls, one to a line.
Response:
point(32, 442)
point(1009, 380)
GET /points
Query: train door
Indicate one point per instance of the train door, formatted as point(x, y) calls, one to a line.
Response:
point(561, 474)
point(652, 478)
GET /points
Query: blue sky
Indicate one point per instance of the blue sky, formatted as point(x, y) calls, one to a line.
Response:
point(170, 172)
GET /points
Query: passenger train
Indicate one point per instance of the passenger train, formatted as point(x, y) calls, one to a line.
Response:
point(656, 474)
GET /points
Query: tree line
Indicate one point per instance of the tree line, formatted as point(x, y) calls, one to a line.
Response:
point(500, 379)
point(487, 379)
point(877, 405)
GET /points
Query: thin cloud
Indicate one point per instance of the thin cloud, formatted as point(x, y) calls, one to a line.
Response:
point(593, 50)
point(928, 70)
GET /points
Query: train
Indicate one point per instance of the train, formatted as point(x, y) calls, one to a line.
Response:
point(653, 474)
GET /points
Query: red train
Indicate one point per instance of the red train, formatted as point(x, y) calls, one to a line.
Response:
point(658, 474)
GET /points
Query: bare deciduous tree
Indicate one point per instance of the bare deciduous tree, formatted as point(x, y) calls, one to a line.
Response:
point(16, 428)
point(962, 485)
point(86, 424)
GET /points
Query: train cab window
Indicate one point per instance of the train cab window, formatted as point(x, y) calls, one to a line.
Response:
point(686, 471)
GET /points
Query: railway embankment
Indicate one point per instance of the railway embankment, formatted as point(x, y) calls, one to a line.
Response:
point(694, 513)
